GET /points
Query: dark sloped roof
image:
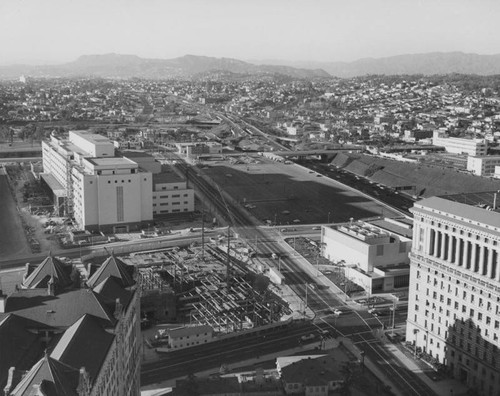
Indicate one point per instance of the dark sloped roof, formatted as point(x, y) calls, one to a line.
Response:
point(50, 267)
point(84, 344)
point(19, 347)
point(313, 372)
point(110, 289)
point(61, 310)
point(53, 378)
point(113, 267)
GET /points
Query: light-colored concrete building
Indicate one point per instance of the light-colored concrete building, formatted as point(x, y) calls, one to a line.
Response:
point(375, 252)
point(454, 297)
point(483, 165)
point(111, 194)
point(171, 194)
point(188, 336)
point(103, 192)
point(194, 150)
point(475, 147)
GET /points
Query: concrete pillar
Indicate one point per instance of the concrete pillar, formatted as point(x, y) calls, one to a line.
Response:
point(433, 244)
point(458, 256)
point(497, 275)
point(427, 232)
point(442, 245)
point(473, 257)
point(489, 268)
point(466, 254)
point(451, 241)
point(482, 257)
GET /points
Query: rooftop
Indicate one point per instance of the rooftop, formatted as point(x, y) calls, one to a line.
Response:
point(112, 161)
point(473, 209)
point(166, 177)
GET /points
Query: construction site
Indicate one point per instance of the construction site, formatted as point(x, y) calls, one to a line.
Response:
point(203, 285)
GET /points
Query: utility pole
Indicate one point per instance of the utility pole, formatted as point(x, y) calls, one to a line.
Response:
point(394, 304)
point(203, 235)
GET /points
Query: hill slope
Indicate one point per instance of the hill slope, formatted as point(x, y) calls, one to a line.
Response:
point(128, 66)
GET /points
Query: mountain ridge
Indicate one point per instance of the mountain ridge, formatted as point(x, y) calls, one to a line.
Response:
point(113, 65)
point(128, 66)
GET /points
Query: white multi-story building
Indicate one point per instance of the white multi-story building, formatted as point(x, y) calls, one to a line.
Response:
point(101, 191)
point(171, 194)
point(111, 193)
point(483, 165)
point(375, 252)
point(454, 298)
point(475, 147)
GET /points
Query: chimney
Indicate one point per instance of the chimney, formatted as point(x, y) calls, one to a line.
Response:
point(3, 301)
point(51, 287)
point(27, 271)
point(13, 378)
point(83, 388)
point(118, 309)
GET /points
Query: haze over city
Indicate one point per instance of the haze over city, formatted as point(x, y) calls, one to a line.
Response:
point(57, 31)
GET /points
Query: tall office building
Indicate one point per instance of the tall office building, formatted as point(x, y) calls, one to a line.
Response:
point(454, 299)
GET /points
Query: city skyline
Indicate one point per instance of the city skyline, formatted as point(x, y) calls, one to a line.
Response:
point(325, 31)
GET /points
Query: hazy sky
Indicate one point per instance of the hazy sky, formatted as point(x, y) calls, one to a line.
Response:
point(53, 31)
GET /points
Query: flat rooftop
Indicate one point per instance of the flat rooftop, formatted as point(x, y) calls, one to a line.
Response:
point(111, 161)
point(476, 210)
point(484, 200)
point(167, 177)
point(92, 137)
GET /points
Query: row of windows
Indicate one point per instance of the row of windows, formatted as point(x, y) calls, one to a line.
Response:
point(168, 211)
point(173, 203)
point(187, 344)
point(116, 181)
point(173, 196)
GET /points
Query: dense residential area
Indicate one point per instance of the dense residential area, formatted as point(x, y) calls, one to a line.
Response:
point(250, 234)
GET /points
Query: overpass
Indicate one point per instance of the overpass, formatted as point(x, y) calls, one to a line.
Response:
point(324, 154)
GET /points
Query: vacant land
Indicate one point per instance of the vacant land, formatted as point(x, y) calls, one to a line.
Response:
point(288, 194)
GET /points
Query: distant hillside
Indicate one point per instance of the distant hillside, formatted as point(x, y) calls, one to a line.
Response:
point(426, 64)
point(128, 66)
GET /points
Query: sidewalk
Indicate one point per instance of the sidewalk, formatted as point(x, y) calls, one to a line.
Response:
point(447, 386)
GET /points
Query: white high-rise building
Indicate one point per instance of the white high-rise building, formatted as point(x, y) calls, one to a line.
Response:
point(454, 299)
point(101, 191)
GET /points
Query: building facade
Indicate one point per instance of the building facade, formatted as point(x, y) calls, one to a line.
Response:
point(483, 165)
point(475, 147)
point(454, 297)
point(83, 341)
point(102, 192)
point(171, 195)
point(375, 253)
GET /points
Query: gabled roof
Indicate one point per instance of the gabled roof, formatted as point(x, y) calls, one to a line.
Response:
point(61, 310)
point(49, 378)
point(19, 347)
point(113, 267)
point(110, 289)
point(84, 344)
point(53, 268)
